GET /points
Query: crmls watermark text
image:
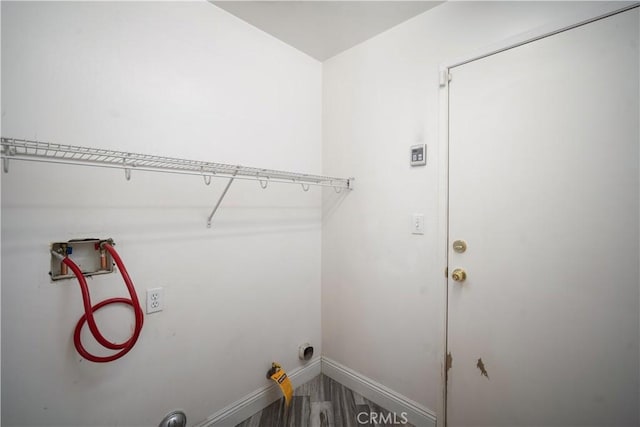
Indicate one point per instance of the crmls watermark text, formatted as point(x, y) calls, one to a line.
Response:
point(367, 417)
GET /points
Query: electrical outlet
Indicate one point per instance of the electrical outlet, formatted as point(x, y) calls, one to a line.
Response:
point(155, 300)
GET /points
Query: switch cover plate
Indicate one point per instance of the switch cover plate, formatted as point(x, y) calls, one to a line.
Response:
point(417, 223)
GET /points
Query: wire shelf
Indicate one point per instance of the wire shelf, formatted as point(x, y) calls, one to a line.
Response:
point(21, 149)
point(36, 151)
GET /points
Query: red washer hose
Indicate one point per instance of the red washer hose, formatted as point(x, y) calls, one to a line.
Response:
point(124, 347)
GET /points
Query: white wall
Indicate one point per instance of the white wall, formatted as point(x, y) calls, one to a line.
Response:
point(383, 289)
point(177, 79)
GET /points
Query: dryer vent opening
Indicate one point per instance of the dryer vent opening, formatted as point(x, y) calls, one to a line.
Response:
point(305, 352)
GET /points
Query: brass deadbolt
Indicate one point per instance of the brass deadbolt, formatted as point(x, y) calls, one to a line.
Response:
point(459, 275)
point(459, 246)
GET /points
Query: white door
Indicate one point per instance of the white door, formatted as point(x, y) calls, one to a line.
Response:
point(543, 187)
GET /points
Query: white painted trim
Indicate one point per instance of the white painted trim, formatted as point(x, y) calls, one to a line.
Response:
point(388, 399)
point(242, 409)
point(443, 239)
point(595, 12)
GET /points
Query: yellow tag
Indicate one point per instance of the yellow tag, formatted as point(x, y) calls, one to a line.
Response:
point(281, 378)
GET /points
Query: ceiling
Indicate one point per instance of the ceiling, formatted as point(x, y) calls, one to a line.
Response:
point(323, 29)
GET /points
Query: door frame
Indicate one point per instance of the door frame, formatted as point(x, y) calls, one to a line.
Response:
point(582, 17)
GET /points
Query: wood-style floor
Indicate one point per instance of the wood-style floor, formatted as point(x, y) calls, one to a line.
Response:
point(322, 402)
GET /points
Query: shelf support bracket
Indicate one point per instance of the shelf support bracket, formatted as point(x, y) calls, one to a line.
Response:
point(7, 151)
point(224, 193)
point(127, 171)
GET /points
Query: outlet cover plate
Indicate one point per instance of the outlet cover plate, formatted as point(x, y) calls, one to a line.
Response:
point(155, 300)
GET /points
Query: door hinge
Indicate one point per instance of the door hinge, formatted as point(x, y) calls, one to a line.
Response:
point(446, 272)
point(445, 77)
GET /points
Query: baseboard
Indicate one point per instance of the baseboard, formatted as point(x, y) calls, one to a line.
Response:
point(258, 400)
point(394, 402)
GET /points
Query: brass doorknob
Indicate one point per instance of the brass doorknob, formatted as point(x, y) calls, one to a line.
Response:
point(458, 275)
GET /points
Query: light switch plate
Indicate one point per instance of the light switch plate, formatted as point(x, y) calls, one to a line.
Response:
point(417, 223)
